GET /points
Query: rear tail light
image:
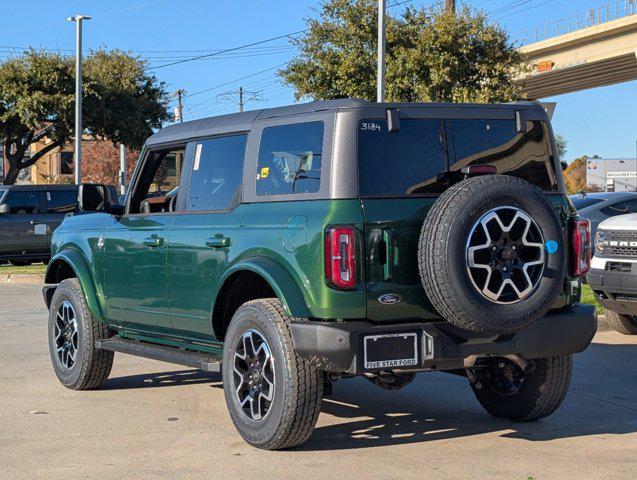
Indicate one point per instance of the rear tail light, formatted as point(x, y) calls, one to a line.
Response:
point(340, 265)
point(480, 170)
point(581, 247)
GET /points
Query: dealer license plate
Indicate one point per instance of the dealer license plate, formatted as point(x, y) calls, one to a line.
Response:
point(390, 350)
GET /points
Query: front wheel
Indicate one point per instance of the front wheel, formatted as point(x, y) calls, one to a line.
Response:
point(505, 391)
point(625, 324)
point(72, 335)
point(273, 395)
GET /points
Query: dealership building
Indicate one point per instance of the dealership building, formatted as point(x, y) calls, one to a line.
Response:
point(611, 174)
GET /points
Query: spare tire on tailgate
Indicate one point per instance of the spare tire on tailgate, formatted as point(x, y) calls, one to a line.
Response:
point(491, 254)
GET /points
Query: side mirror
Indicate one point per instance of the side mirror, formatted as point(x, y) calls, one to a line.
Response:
point(4, 208)
point(95, 197)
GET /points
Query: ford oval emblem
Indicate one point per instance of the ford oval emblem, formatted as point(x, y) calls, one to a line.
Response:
point(389, 299)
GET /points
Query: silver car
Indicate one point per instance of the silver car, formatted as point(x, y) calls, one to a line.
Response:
point(597, 207)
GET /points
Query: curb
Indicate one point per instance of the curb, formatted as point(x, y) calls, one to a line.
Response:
point(22, 278)
point(602, 324)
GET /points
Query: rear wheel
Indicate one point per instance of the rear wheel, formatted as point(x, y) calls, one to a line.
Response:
point(273, 395)
point(625, 324)
point(505, 390)
point(72, 335)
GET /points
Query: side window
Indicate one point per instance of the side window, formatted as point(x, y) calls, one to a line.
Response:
point(23, 202)
point(290, 159)
point(156, 187)
point(632, 206)
point(217, 173)
point(619, 208)
point(61, 201)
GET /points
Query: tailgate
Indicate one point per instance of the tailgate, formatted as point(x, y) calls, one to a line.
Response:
point(392, 229)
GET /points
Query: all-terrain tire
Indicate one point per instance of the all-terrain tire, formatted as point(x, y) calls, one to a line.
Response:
point(443, 263)
point(298, 385)
point(541, 394)
point(92, 366)
point(625, 324)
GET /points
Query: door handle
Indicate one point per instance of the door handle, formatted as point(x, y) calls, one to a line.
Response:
point(154, 242)
point(390, 255)
point(218, 241)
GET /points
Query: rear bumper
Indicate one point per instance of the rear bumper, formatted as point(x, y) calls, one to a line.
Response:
point(616, 290)
point(337, 347)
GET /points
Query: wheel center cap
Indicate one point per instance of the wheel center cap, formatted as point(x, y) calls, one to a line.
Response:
point(508, 254)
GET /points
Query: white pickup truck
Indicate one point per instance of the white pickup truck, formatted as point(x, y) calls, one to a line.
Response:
point(613, 272)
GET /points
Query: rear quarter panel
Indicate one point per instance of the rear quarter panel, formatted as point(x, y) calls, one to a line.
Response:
point(292, 235)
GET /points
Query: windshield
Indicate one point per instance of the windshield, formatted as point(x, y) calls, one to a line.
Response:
point(3, 191)
point(580, 202)
point(427, 155)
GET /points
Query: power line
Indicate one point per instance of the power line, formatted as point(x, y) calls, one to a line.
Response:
point(235, 80)
point(525, 9)
point(260, 42)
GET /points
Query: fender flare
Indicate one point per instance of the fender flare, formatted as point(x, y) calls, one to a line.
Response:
point(285, 287)
point(80, 267)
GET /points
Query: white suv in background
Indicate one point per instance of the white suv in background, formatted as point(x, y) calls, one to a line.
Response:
point(613, 272)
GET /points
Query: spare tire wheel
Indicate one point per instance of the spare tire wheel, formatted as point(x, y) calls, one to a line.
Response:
point(491, 254)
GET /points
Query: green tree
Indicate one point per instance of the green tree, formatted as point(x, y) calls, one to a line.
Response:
point(562, 146)
point(122, 102)
point(433, 55)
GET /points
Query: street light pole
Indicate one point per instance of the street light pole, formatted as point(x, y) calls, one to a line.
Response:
point(122, 169)
point(380, 79)
point(78, 19)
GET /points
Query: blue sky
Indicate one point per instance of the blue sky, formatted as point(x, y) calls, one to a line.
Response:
point(601, 121)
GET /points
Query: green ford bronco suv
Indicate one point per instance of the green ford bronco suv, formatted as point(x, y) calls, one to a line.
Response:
point(291, 247)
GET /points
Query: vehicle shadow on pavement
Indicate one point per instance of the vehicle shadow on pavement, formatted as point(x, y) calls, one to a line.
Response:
point(162, 379)
point(436, 406)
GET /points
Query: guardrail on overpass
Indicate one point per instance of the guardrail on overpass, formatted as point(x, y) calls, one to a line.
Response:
point(605, 13)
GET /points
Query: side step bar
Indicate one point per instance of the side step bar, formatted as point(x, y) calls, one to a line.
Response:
point(207, 363)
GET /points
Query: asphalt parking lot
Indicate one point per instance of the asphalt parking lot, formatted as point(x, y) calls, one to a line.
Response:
point(157, 420)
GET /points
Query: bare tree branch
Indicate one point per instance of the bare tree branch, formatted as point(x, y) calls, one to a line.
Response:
point(39, 155)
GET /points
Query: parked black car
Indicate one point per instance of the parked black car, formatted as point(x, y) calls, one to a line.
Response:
point(28, 216)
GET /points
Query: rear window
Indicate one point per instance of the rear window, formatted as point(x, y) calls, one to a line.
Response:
point(427, 155)
point(290, 159)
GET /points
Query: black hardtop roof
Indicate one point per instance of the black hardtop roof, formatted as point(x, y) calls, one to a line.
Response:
point(38, 188)
point(243, 121)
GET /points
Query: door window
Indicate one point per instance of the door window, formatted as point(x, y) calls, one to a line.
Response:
point(290, 159)
point(23, 202)
point(217, 173)
point(156, 187)
point(61, 201)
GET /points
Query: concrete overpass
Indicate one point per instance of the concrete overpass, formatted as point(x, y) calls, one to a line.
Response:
point(604, 53)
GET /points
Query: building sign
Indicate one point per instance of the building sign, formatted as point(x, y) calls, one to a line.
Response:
point(621, 174)
point(544, 66)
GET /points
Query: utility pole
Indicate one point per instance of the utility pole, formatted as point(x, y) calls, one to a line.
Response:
point(450, 5)
point(243, 97)
point(78, 19)
point(179, 113)
point(122, 169)
point(380, 77)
